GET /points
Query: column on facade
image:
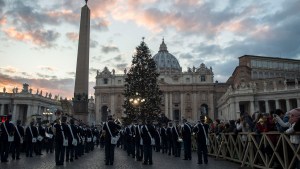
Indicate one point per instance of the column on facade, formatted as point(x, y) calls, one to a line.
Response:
point(112, 104)
point(166, 104)
point(267, 106)
point(171, 107)
point(288, 106)
point(237, 109)
point(232, 109)
point(211, 105)
point(194, 108)
point(97, 111)
point(298, 102)
point(277, 104)
point(2, 109)
point(252, 109)
point(182, 106)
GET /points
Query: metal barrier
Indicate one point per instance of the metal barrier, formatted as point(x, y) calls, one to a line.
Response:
point(265, 150)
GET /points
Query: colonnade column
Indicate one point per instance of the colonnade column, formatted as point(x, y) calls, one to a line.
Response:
point(252, 110)
point(29, 113)
point(14, 113)
point(288, 106)
point(267, 106)
point(277, 104)
point(2, 109)
point(298, 102)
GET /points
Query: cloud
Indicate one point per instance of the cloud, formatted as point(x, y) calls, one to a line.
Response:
point(185, 56)
point(100, 25)
point(108, 49)
point(43, 38)
point(73, 36)
point(93, 43)
point(45, 76)
point(9, 69)
point(47, 68)
point(92, 71)
point(71, 73)
point(3, 20)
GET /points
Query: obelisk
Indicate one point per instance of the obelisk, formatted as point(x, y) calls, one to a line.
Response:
point(80, 100)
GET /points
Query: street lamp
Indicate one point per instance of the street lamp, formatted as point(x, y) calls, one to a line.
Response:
point(136, 101)
point(47, 113)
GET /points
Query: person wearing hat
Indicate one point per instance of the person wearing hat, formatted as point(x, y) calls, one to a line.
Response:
point(148, 133)
point(40, 140)
point(201, 130)
point(31, 138)
point(111, 130)
point(186, 131)
point(18, 140)
point(138, 137)
point(61, 136)
point(164, 138)
point(49, 138)
point(72, 142)
point(7, 135)
point(169, 139)
point(176, 135)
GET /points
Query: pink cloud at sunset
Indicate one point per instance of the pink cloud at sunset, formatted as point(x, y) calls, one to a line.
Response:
point(73, 36)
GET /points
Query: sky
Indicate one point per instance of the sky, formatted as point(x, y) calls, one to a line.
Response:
point(39, 39)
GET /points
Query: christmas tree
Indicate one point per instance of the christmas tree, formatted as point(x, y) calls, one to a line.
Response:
point(142, 94)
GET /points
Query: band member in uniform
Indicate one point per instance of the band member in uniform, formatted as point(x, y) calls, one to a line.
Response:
point(31, 138)
point(49, 138)
point(186, 131)
point(176, 141)
point(129, 140)
point(138, 137)
point(72, 141)
point(40, 140)
point(18, 140)
point(169, 139)
point(111, 130)
point(201, 130)
point(60, 137)
point(164, 139)
point(7, 135)
point(148, 133)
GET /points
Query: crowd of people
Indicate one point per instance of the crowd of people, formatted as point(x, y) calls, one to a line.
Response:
point(69, 140)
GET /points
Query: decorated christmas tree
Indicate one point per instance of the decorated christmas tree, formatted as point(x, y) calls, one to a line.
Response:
point(142, 94)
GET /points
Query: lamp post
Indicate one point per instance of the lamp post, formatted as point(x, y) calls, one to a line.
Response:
point(47, 113)
point(136, 101)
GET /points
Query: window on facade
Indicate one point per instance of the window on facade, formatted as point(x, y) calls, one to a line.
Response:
point(202, 78)
point(162, 79)
point(105, 81)
point(187, 80)
point(104, 98)
point(119, 81)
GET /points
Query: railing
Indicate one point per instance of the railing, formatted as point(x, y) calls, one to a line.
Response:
point(265, 150)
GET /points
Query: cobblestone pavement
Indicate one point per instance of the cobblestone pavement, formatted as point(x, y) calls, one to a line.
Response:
point(95, 160)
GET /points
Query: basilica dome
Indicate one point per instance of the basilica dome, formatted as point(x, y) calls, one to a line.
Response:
point(165, 61)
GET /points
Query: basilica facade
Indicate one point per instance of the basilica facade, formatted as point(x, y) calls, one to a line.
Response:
point(186, 94)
